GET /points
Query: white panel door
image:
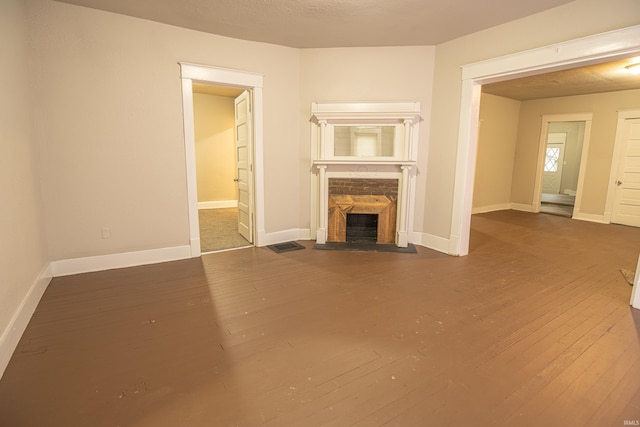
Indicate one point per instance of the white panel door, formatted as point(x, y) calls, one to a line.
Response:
point(244, 165)
point(626, 202)
point(553, 162)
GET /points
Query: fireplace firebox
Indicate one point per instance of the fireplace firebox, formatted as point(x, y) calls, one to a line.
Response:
point(362, 228)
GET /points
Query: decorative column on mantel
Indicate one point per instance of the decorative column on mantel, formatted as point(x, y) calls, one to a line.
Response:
point(321, 236)
point(402, 235)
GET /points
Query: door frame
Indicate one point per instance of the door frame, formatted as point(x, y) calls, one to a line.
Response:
point(587, 50)
point(623, 115)
point(587, 118)
point(253, 82)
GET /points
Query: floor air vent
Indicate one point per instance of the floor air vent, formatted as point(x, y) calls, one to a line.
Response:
point(285, 247)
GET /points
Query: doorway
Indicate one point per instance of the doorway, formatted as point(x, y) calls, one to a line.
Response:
point(223, 224)
point(562, 159)
point(247, 81)
point(561, 167)
point(597, 48)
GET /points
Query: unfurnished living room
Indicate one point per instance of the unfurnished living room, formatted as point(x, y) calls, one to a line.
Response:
point(432, 213)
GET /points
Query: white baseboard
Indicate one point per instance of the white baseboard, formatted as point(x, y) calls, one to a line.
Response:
point(67, 267)
point(522, 207)
point(590, 217)
point(437, 243)
point(491, 208)
point(11, 335)
point(265, 239)
point(218, 204)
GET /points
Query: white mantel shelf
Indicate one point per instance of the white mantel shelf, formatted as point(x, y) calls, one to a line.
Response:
point(363, 111)
point(365, 162)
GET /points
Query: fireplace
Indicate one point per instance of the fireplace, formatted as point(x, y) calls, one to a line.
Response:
point(363, 199)
point(365, 156)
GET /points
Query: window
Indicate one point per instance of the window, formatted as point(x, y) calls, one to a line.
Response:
point(551, 160)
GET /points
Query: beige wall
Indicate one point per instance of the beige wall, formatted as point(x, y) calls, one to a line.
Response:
point(497, 138)
point(573, 20)
point(109, 126)
point(604, 107)
point(215, 145)
point(22, 244)
point(365, 74)
point(109, 117)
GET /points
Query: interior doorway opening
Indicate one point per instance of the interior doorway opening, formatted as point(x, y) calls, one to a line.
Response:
point(222, 223)
point(562, 159)
point(561, 167)
point(251, 177)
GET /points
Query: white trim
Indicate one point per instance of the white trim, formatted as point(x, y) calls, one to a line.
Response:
point(190, 158)
point(600, 219)
point(635, 293)
point(583, 51)
point(68, 267)
point(258, 164)
point(330, 162)
point(491, 208)
point(623, 115)
point(465, 168)
point(437, 243)
point(522, 207)
point(286, 236)
point(218, 75)
point(559, 56)
point(378, 111)
point(253, 82)
point(13, 332)
point(218, 204)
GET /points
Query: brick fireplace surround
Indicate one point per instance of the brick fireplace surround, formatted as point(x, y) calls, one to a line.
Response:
point(362, 196)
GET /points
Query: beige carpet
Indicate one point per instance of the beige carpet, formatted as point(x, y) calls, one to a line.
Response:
point(219, 230)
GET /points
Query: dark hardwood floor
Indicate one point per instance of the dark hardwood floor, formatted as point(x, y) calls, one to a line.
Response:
point(533, 328)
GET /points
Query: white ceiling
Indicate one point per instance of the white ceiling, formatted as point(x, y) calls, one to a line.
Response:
point(330, 23)
point(605, 77)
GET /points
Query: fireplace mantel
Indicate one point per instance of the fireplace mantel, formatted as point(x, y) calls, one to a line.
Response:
point(365, 162)
point(365, 141)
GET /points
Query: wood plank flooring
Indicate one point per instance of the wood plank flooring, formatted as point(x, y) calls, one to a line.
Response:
point(533, 328)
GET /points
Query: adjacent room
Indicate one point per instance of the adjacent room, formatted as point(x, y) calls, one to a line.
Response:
point(185, 186)
point(219, 219)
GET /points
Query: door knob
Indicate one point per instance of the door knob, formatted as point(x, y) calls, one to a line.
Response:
point(618, 183)
point(236, 179)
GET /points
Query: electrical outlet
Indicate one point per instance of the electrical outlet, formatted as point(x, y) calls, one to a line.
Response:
point(106, 232)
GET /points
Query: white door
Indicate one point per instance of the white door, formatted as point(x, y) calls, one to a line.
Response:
point(244, 165)
point(553, 162)
point(626, 202)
